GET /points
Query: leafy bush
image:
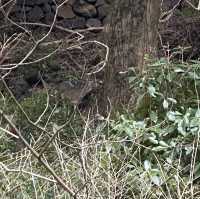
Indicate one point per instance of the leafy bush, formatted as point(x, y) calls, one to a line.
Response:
point(166, 122)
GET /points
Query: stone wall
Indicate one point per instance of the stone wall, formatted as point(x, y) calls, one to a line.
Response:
point(74, 14)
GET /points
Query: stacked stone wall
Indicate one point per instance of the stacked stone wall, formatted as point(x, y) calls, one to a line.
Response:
point(74, 14)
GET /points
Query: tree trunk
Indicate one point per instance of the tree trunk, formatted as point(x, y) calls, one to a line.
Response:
point(130, 35)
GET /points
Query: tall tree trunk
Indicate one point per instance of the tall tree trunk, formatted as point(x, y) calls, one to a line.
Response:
point(130, 34)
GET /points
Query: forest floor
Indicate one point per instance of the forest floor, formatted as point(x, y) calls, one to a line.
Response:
point(67, 56)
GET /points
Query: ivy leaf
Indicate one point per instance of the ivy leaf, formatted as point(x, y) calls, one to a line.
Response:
point(172, 100)
point(171, 116)
point(165, 104)
point(179, 70)
point(147, 165)
point(152, 90)
point(181, 128)
point(153, 140)
point(197, 114)
point(159, 148)
point(156, 180)
point(164, 144)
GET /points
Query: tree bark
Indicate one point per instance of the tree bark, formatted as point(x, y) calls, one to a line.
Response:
point(130, 35)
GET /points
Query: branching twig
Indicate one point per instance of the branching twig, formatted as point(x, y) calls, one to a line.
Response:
point(36, 155)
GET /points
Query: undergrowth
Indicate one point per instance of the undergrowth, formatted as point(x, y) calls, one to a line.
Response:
point(151, 151)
